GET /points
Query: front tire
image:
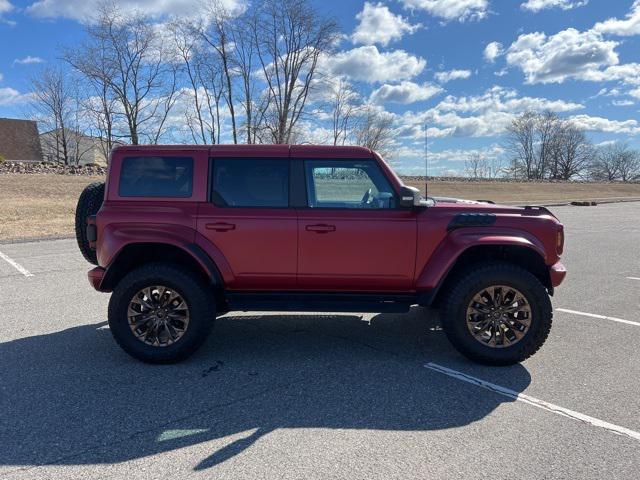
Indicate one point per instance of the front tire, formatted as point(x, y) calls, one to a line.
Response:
point(160, 313)
point(497, 314)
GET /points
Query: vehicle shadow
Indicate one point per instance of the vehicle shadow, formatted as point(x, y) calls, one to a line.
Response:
point(72, 397)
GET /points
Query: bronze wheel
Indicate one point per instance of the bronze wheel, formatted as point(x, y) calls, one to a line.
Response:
point(158, 316)
point(498, 316)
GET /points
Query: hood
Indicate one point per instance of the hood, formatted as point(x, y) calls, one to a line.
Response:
point(487, 206)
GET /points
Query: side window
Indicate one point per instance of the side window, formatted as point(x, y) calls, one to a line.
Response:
point(250, 182)
point(156, 177)
point(347, 184)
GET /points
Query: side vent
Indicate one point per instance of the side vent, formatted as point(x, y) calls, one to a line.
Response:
point(471, 220)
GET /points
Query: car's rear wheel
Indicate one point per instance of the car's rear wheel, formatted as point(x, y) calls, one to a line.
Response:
point(497, 314)
point(161, 313)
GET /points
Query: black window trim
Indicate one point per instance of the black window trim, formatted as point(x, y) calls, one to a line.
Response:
point(211, 193)
point(168, 197)
point(306, 206)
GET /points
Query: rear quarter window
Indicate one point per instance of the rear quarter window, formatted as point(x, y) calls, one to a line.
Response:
point(156, 177)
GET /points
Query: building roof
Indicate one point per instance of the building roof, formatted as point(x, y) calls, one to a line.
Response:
point(19, 140)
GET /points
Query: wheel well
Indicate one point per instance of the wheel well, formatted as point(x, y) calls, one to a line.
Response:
point(524, 257)
point(138, 254)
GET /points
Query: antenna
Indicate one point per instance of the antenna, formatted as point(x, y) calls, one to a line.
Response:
point(426, 159)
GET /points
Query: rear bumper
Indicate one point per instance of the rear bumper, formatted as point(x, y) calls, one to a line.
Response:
point(557, 272)
point(96, 275)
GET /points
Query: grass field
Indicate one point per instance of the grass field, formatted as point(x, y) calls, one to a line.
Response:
point(37, 206)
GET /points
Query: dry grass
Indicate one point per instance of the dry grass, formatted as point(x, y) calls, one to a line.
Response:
point(532, 193)
point(37, 206)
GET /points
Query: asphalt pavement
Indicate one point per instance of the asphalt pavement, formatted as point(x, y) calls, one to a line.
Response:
point(324, 396)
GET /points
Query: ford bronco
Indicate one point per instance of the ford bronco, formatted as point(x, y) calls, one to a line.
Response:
point(182, 234)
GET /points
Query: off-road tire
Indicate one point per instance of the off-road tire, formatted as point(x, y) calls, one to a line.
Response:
point(467, 284)
point(194, 291)
point(89, 203)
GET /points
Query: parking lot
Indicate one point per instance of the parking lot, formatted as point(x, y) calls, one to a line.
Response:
point(328, 395)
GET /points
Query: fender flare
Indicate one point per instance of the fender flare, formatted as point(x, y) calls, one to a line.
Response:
point(457, 242)
point(115, 239)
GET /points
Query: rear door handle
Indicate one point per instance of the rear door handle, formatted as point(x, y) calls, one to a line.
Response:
point(320, 228)
point(220, 226)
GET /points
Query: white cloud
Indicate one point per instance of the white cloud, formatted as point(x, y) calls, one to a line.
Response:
point(10, 96)
point(367, 64)
point(599, 124)
point(379, 25)
point(537, 5)
point(622, 103)
point(86, 10)
point(28, 60)
point(5, 6)
point(405, 92)
point(462, 154)
point(635, 93)
point(628, 73)
point(504, 100)
point(492, 51)
point(629, 26)
point(476, 116)
point(444, 77)
point(461, 10)
point(567, 54)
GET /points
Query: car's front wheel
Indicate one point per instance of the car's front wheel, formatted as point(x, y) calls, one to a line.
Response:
point(497, 314)
point(160, 313)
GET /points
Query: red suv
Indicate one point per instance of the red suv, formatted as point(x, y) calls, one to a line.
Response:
point(182, 234)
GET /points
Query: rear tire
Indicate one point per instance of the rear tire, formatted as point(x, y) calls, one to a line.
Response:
point(467, 285)
point(89, 203)
point(200, 310)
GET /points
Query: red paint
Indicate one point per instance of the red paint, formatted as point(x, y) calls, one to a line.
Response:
point(400, 250)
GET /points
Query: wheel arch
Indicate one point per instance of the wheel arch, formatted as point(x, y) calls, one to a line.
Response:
point(136, 254)
point(438, 274)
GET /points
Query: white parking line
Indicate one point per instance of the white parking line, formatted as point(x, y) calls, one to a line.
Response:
point(16, 265)
point(549, 407)
point(602, 317)
point(633, 278)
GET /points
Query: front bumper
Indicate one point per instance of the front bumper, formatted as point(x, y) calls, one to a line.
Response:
point(557, 272)
point(96, 275)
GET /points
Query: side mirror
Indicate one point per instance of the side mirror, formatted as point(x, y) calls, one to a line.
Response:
point(410, 197)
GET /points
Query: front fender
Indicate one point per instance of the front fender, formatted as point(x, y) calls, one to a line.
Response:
point(455, 244)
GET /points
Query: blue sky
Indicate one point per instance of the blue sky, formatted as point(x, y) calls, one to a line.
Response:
point(464, 68)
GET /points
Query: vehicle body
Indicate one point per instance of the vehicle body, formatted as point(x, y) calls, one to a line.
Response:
point(306, 228)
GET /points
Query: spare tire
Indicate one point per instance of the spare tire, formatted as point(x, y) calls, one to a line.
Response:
point(89, 203)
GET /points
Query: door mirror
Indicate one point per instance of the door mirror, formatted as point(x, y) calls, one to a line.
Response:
point(410, 197)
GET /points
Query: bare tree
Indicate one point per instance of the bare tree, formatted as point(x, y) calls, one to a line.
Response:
point(217, 34)
point(521, 145)
point(476, 166)
point(55, 104)
point(127, 56)
point(572, 152)
point(615, 161)
point(290, 36)
point(342, 106)
point(374, 130)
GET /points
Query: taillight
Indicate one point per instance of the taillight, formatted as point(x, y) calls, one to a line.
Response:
point(560, 240)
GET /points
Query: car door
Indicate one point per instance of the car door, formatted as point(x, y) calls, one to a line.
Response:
point(352, 236)
point(249, 220)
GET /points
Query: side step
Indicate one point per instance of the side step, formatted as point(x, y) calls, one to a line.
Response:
point(320, 302)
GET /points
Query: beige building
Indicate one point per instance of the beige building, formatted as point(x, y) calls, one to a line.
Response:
point(81, 149)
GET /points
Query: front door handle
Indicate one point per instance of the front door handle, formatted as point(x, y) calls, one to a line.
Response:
point(320, 228)
point(220, 226)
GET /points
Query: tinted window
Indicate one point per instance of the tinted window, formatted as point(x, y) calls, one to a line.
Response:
point(250, 182)
point(347, 184)
point(156, 177)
